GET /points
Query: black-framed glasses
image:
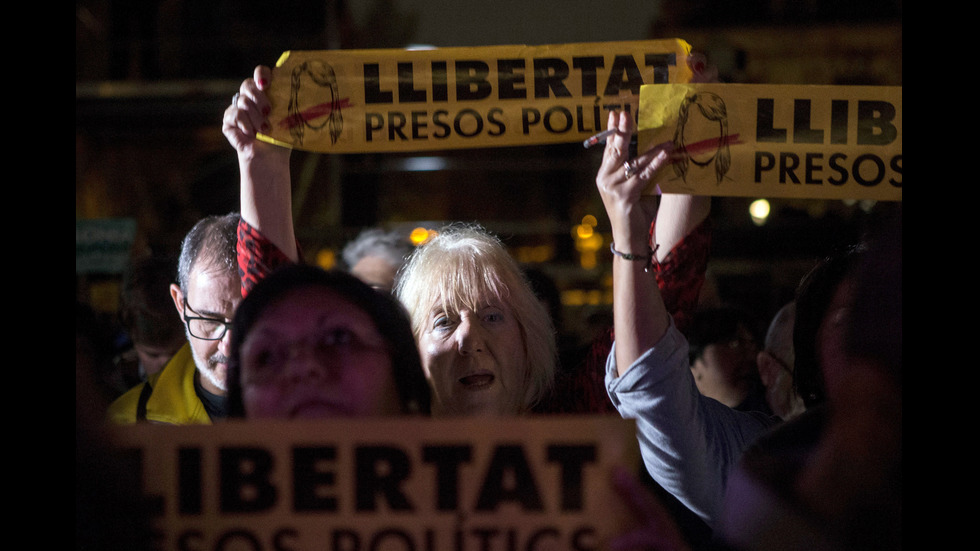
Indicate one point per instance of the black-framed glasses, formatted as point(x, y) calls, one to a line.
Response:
point(206, 329)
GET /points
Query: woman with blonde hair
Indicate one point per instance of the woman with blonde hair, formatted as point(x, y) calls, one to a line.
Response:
point(487, 343)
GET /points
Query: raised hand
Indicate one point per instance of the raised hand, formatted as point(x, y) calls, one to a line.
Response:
point(248, 115)
point(622, 181)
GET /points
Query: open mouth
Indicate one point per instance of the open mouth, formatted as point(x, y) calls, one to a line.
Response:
point(477, 380)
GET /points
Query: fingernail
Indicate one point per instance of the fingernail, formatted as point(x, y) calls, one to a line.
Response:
point(263, 83)
point(696, 62)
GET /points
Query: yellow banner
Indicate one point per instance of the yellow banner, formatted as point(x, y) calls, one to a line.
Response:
point(830, 142)
point(542, 484)
point(360, 101)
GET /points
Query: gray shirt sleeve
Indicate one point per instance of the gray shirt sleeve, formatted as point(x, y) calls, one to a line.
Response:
point(689, 442)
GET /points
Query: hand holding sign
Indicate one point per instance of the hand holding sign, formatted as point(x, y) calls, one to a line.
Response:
point(248, 114)
point(266, 201)
point(621, 182)
point(830, 142)
point(359, 101)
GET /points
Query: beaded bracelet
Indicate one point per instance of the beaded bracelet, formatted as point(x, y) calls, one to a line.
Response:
point(650, 259)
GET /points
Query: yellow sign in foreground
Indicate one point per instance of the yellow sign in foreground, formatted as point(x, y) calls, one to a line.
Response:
point(541, 484)
point(359, 101)
point(831, 142)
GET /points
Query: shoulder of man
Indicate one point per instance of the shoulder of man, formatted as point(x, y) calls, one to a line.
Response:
point(124, 409)
point(163, 397)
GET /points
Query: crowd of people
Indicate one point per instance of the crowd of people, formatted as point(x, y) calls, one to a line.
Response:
point(765, 442)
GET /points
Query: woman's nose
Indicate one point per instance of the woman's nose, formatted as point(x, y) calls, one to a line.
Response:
point(307, 363)
point(469, 336)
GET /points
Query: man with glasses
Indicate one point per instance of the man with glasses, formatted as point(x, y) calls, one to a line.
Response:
point(191, 388)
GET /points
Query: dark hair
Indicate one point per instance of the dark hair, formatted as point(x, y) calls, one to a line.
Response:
point(716, 325)
point(384, 310)
point(875, 322)
point(146, 309)
point(712, 106)
point(813, 298)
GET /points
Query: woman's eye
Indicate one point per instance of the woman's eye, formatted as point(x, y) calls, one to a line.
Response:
point(493, 316)
point(261, 359)
point(260, 363)
point(274, 356)
point(441, 322)
point(337, 337)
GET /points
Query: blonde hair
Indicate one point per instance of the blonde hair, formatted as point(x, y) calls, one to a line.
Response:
point(464, 267)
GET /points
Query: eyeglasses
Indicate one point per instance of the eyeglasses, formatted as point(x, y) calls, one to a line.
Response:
point(206, 329)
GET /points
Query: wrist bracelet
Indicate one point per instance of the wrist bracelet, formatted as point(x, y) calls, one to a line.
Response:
point(650, 259)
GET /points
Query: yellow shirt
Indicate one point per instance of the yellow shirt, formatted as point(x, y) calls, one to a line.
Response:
point(172, 401)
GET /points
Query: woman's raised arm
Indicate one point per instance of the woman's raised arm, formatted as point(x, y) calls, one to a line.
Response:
point(266, 191)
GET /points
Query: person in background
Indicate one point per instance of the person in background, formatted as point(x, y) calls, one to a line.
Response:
point(831, 477)
point(722, 355)
point(154, 331)
point(375, 256)
point(190, 389)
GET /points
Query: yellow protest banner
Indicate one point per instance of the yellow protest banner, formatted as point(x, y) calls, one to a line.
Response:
point(522, 483)
point(829, 142)
point(360, 101)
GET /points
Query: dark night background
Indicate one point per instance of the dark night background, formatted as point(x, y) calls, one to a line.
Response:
point(153, 79)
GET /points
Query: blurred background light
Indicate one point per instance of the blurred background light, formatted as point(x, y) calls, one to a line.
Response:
point(759, 211)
